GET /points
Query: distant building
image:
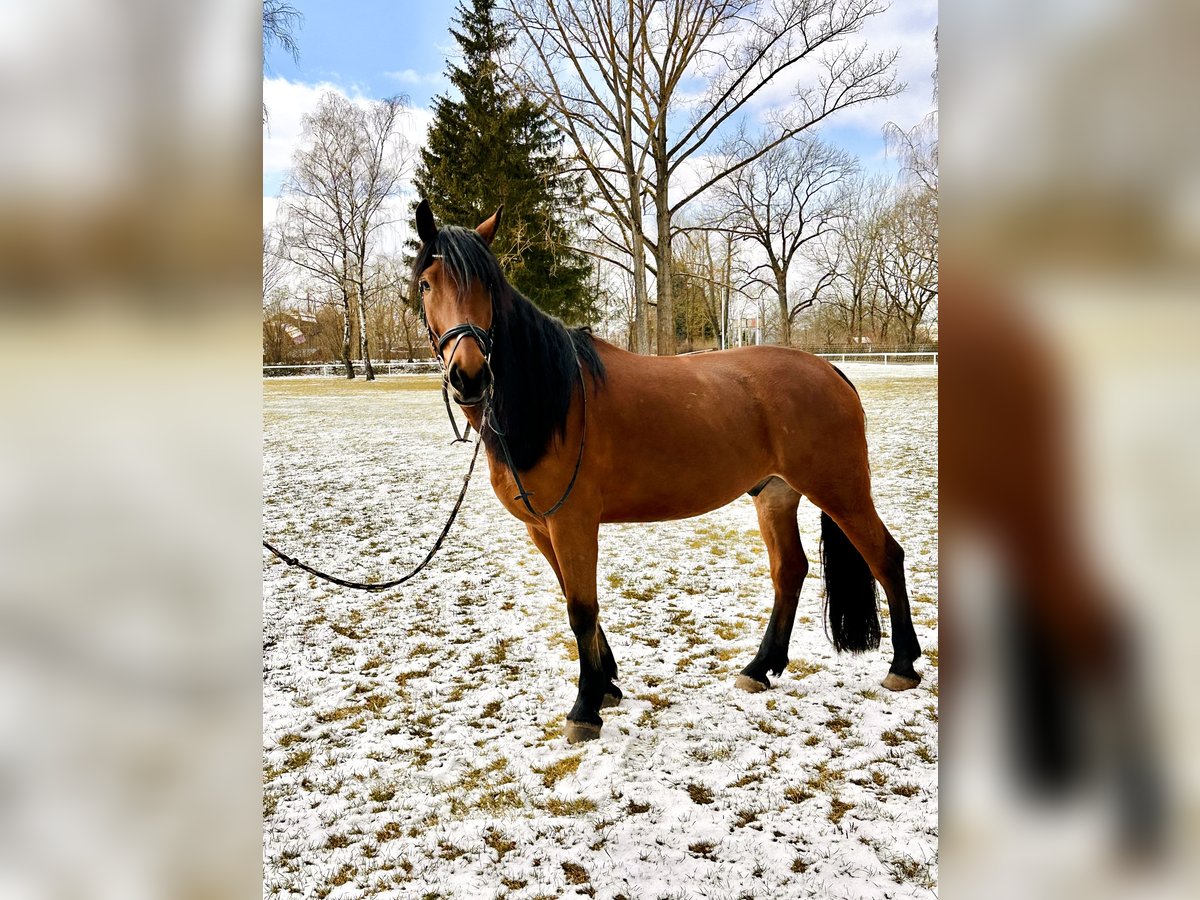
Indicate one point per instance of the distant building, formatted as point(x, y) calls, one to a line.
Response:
point(749, 332)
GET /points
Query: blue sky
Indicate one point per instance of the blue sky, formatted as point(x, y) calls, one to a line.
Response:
point(376, 48)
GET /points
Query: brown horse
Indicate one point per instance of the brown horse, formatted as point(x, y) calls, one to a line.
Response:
point(618, 437)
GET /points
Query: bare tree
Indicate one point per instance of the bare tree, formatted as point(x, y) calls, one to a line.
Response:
point(789, 196)
point(334, 202)
point(905, 259)
point(847, 257)
point(274, 265)
point(619, 76)
point(280, 21)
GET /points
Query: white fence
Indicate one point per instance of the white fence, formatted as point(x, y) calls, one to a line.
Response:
point(396, 367)
point(430, 366)
point(887, 358)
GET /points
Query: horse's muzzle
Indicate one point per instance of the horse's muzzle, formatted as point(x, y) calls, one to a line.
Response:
point(469, 389)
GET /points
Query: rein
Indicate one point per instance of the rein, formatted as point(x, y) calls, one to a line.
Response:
point(484, 338)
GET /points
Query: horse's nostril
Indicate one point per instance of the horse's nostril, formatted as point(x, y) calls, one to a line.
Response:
point(469, 385)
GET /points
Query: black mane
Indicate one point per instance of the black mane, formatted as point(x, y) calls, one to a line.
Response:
point(533, 355)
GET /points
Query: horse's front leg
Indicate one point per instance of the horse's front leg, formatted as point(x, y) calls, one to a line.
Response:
point(574, 544)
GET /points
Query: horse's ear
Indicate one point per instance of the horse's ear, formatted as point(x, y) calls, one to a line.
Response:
point(426, 227)
point(487, 230)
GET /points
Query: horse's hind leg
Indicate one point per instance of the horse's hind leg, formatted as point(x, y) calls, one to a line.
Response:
point(776, 506)
point(860, 523)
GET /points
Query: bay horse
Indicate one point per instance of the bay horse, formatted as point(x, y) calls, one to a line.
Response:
point(620, 437)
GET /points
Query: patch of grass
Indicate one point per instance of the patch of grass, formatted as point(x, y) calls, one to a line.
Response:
point(450, 851)
point(337, 841)
point(555, 772)
point(288, 739)
point(499, 842)
point(700, 794)
point(493, 803)
point(513, 884)
point(392, 831)
point(894, 737)
point(802, 668)
point(346, 631)
point(297, 759)
point(633, 808)
point(746, 817)
point(932, 653)
point(812, 740)
point(906, 790)
point(799, 865)
point(797, 794)
point(825, 777)
point(577, 806)
point(639, 593)
point(839, 725)
point(382, 793)
point(575, 873)
point(907, 870)
point(766, 726)
point(925, 754)
point(748, 779)
point(703, 849)
point(728, 631)
point(879, 778)
point(838, 808)
point(656, 701)
point(376, 703)
point(340, 714)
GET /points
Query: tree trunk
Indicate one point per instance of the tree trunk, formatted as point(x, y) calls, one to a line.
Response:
point(641, 303)
point(363, 350)
point(346, 320)
point(662, 260)
point(785, 321)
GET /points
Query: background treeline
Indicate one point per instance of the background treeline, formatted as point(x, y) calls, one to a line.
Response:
point(641, 196)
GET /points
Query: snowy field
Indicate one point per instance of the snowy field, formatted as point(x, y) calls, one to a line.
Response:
point(412, 740)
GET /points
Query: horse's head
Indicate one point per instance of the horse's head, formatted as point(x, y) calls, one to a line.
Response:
point(457, 276)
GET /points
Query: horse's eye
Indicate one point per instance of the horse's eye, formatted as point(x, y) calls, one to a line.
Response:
point(423, 286)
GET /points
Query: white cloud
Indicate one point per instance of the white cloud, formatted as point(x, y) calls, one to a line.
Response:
point(288, 101)
point(412, 76)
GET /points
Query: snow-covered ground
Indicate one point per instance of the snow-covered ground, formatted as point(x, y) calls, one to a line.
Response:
point(412, 740)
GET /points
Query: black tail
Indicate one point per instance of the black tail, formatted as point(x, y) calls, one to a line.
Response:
point(850, 599)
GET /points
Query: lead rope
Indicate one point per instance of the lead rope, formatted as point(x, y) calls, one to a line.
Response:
point(386, 585)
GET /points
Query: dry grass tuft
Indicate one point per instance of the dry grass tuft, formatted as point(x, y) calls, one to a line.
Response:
point(700, 794)
point(575, 873)
point(576, 806)
point(557, 771)
point(838, 808)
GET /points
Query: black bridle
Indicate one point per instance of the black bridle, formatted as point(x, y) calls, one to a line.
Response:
point(456, 333)
point(462, 330)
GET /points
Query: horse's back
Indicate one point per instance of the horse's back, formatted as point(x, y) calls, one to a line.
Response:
point(687, 434)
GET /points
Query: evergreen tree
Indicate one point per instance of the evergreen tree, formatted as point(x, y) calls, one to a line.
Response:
point(493, 147)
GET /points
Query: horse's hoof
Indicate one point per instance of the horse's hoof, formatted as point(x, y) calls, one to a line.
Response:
point(895, 682)
point(577, 732)
point(750, 685)
point(610, 700)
